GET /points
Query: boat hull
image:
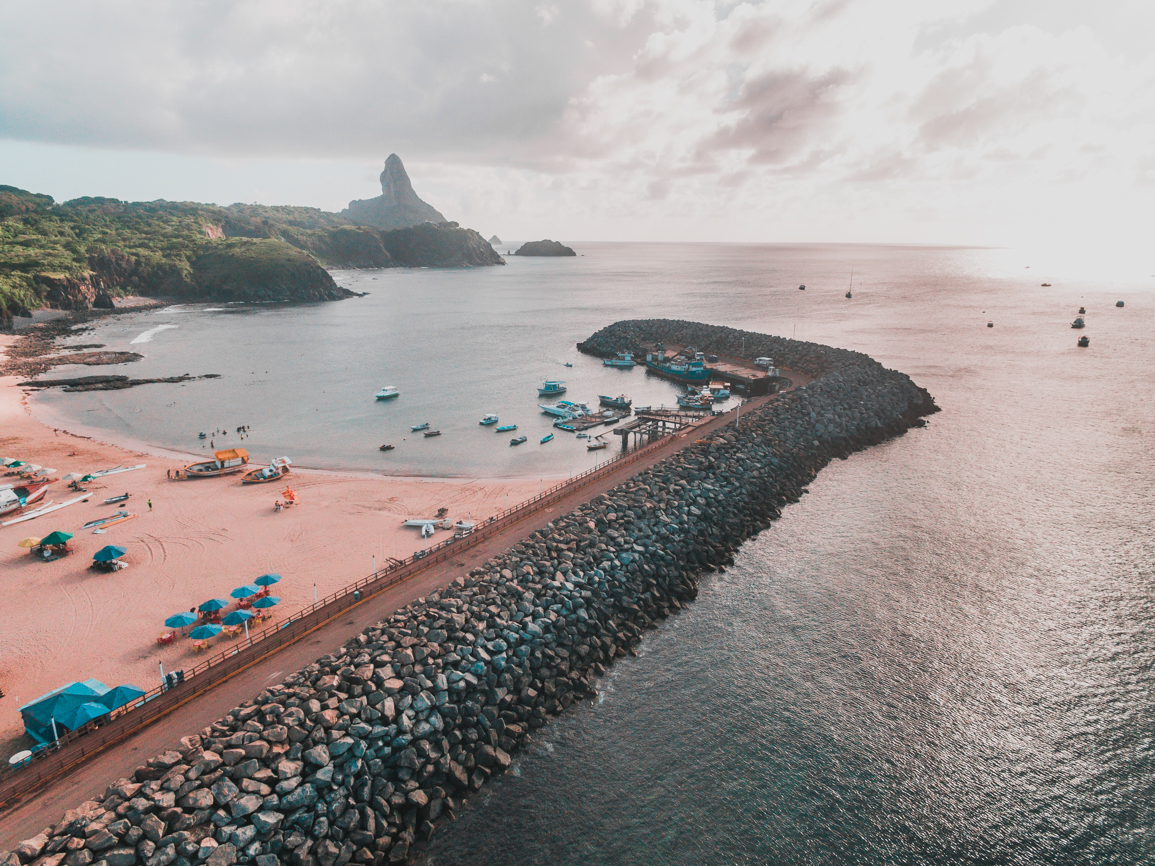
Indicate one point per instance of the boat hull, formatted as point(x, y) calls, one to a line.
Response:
point(677, 373)
point(254, 477)
point(199, 471)
point(33, 494)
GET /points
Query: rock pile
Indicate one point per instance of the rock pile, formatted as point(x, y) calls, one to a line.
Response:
point(356, 758)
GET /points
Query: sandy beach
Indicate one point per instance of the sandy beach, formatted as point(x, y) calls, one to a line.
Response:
point(63, 621)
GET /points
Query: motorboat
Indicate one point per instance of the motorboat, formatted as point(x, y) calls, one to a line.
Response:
point(277, 469)
point(465, 525)
point(619, 402)
point(583, 436)
point(387, 393)
point(720, 395)
point(417, 427)
point(622, 359)
point(15, 498)
point(1082, 310)
point(1084, 342)
point(385, 448)
point(802, 288)
point(1118, 303)
point(597, 446)
point(420, 522)
point(505, 428)
point(696, 399)
point(563, 424)
point(488, 420)
point(112, 500)
point(226, 462)
point(565, 409)
point(568, 364)
point(429, 433)
point(548, 437)
point(551, 388)
point(1078, 323)
point(990, 324)
point(518, 440)
point(1046, 285)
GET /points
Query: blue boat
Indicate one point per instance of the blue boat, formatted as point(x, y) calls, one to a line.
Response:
point(417, 427)
point(548, 437)
point(619, 402)
point(488, 420)
point(562, 425)
point(623, 359)
point(551, 388)
point(517, 441)
point(680, 371)
point(506, 428)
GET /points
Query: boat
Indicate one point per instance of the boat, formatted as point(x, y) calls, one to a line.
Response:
point(517, 441)
point(1082, 310)
point(488, 420)
point(226, 462)
point(619, 402)
point(1118, 303)
point(1046, 285)
point(583, 436)
point(597, 446)
point(417, 427)
point(548, 437)
point(505, 428)
point(622, 359)
point(422, 522)
point(549, 388)
point(387, 393)
point(696, 399)
point(851, 288)
point(465, 525)
point(203, 436)
point(1084, 342)
point(565, 409)
point(112, 500)
point(680, 371)
point(764, 363)
point(849, 295)
point(990, 324)
point(429, 433)
point(802, 288)
point(385, 448)
point(568, 364)
point(279, 468)
point(563, 424)
point(1078, 323)
point(721, 395)
point(15, 498)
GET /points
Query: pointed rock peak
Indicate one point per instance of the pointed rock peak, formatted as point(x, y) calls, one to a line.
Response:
point(395, 184)
point(398, 206)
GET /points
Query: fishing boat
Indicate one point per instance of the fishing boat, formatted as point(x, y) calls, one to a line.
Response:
point(505, 428)
point(488, 420)
point(597, 446)
point(517, 441)
point(548, 437)
point(622, 359)
point(802, 288)
point(693, 370)
point(15, 498)
point(563, 424)
point(112, 500)
point(385, 448)
point(1084, 342)
point(429, 433)
point(583, 436)
point(1118, 303)
point(417, 427)
point(551, 388)
point(990, 324)
point(226, 462)
point(720, 395)
point(387, 393)
point(619, 402)
point(279, 468)
point(1078, 323)
point(696, 399)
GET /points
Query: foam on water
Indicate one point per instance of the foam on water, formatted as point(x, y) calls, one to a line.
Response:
point(147, 336)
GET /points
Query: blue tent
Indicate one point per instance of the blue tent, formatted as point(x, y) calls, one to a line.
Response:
point(120, 695)
point(83, 714)
point(58, 705)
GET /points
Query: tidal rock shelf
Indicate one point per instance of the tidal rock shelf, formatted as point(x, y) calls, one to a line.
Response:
point(356, 758)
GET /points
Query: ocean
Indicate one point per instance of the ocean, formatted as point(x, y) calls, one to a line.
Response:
point(942, 654)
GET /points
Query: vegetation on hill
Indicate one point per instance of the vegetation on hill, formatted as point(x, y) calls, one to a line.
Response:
point(86, 251)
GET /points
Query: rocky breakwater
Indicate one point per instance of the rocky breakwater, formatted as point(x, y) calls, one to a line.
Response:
point(356, 758)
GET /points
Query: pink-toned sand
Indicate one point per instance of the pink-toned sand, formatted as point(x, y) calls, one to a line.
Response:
point(61, 621)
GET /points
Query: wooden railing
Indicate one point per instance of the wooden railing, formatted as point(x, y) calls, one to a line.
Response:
point(76, 747)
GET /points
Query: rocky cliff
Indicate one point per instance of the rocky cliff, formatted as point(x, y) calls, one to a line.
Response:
point(397, 207)
point(544, 248)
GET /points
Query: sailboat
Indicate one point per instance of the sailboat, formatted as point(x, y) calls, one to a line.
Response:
point(848, 291)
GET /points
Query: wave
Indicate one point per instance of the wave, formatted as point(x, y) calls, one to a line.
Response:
point(147, 336)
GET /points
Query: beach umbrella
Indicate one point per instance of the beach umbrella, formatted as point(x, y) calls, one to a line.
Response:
point(16, 464)
point(204, 632)
point(180, 620)
point(45, 472)
point(30, 467)
point(237, 617)
point(54, 538)
point(120, 695)
point(88, 478)
point(245, 591)
point(267, 601)
point(267, 579)
point(85, 713)
point(28, 542)
point(213, 604)
point(109, 553)
point(71, 476)
point(6, 461)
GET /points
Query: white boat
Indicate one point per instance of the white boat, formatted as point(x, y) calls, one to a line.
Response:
point(721, 395)
point(436, 522)
point(417, 427)
point(622, 359)
point(15, 498)
point(488, 420)
point(387, 393)
point(565, 409)
point(596, 446)
point(277, 469)
point(551, 388)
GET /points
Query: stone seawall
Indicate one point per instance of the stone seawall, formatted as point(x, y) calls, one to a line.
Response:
point(356, 758)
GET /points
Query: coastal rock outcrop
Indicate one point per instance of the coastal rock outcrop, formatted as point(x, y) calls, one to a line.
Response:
point(397, 207)
point(241, 269)
point(494, 241)
point(357, 757)
point(544, 248)
point(439, 246)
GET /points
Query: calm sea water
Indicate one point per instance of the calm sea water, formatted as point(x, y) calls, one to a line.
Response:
point(943, 654)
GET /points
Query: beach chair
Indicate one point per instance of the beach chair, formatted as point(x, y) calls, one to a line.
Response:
point(200, 645)
point(166, 638)
point(244, 604)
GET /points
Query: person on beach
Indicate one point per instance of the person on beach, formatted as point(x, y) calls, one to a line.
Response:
point(150, 505)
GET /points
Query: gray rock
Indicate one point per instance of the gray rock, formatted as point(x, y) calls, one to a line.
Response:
point(317, 755)
point(222, 855)
point(245, 805)
point(267, 822)
point(121, 856)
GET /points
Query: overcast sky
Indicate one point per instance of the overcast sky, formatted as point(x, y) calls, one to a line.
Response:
point(1006, 122)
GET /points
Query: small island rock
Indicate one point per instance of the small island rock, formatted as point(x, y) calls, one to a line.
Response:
point(495, 240)
point(544, 248)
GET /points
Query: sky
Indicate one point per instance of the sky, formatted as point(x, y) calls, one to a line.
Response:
point(970, 122)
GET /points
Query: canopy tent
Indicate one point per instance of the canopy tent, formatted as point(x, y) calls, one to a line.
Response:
point(45, 471)
point(71, 476)
point(82, 715)
point(120, 695)
point(109, 553)
point(55, 538)
point(61, 705)
point(267, 579)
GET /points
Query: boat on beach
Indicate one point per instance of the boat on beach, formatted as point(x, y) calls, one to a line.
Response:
point(387, 393)
point(14, 498)
point(518, 440)
point(551, 388)
point(279, 468)
point(622, 359)
point(619, 402)
point(227, 462)
point(417, 427)
point(505, 428)
point(488, 420)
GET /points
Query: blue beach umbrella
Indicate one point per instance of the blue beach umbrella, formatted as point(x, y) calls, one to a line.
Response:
point(213, 604)
point(267, 601)
point(267, 579)
point(180, 620)
point(204, 632)
point(245, 591)
point(109, 553)
point(120, 695)
point(85, 713)
point(237, 617)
